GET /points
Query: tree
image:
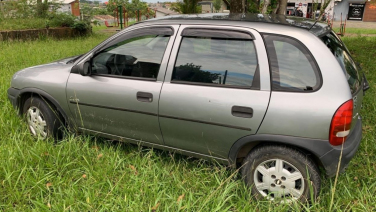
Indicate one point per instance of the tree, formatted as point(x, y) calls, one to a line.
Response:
point(323, 8)
point(217, 5)
point(282, 6)
point(253, 6)
point(113, 4)
point(265, 6)
point(237, 6)
point(186, 7)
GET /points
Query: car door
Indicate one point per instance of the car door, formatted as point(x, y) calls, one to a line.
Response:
point(120, 96)
point(216, 89)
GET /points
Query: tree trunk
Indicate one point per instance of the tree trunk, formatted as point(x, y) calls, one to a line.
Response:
point(265, 7)
point(282, 7)
point(236, 6)
point(276, 8)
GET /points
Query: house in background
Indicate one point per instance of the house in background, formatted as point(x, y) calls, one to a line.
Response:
point(161, 12)
point(70, 6)
point(207, 6)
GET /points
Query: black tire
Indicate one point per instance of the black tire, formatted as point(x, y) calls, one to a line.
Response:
point(275, 181)
point(48, 114)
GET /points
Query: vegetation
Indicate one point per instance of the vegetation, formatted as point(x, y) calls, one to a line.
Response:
point(186, 7)
point(357, 31)
point(217, 5)
point(83, 173)
point(134, 8)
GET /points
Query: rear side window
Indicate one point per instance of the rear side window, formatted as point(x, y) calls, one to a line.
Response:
point(344, 59)
point(213, 61)
point(292, 66)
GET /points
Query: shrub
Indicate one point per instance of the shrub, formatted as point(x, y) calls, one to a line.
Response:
point(82, 26)
point(61, 20)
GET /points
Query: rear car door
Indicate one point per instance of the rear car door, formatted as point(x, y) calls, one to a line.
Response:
point(120, 97)
point(216, 89)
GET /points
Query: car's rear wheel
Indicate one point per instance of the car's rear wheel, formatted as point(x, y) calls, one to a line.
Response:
point(281, 173)
point(42, 120)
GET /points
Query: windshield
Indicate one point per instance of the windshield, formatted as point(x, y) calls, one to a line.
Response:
point(343, 57)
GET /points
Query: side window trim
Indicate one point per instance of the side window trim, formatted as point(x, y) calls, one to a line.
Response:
point(273, 60)
point(217, 33)
point(165, 30)
point(126, 77)
point(153, 30)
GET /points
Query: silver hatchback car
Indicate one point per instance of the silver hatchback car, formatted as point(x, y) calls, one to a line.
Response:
point(277, 96)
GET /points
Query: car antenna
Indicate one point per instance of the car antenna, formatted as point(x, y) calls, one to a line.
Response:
point(313, 25)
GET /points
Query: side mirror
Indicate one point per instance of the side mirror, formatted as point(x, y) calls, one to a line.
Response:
point(83, 68)
point(86, 69)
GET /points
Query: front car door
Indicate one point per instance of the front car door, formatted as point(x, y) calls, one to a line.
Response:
point(216, 89)
point(120, 97)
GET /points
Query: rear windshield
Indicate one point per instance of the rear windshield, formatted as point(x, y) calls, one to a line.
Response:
point(348, 65)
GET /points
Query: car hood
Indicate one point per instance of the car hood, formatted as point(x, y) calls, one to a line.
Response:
point(36, 76)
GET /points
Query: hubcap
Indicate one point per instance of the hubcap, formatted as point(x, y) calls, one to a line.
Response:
point(277, 178)
point(37, 123)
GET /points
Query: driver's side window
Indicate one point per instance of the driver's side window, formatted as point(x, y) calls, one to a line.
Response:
point(138, 57)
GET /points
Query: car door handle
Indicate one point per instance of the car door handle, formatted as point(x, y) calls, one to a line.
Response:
point(243, 112)
point(144, 96)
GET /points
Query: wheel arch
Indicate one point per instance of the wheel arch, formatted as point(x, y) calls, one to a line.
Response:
point(315, 148)
point(29, 92)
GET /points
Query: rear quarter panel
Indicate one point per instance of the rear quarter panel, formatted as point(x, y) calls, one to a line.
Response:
point(307, 114)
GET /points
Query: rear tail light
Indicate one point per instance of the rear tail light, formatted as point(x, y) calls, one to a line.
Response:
point(341, 123)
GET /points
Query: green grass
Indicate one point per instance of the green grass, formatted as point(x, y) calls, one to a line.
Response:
point(357, 31)
point(24, 23)
point(84, 173)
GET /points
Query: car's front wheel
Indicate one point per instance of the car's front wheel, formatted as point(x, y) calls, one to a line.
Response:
point(281, 173)
point(42, 120)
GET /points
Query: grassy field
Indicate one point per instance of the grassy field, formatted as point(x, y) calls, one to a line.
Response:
point(84, 173)
point(357, 31)
point(25, 23)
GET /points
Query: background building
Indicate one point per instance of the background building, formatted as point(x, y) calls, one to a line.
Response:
point(70, 6)
point(356, 10)
point(306, 7)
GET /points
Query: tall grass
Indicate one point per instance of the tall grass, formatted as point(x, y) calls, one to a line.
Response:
point(82, 173)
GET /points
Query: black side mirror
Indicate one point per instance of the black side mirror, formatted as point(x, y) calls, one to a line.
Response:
point(83, 68)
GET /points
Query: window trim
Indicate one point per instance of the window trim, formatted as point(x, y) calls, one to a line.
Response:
point(96, 53)
point(271, 52)
point(152, 30)
point(217, 33)
point(256, 84)
point(125, 77)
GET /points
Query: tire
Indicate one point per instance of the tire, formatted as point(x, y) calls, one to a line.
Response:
point(42, 120)
point(281, 173)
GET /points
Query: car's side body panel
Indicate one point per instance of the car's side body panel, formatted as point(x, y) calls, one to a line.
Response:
point(110, 104)
point(198, 118)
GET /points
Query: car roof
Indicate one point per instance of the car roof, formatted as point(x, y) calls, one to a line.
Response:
point(316, 28)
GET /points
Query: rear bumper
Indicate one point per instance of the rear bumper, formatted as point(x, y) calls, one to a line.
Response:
point(331, 158)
